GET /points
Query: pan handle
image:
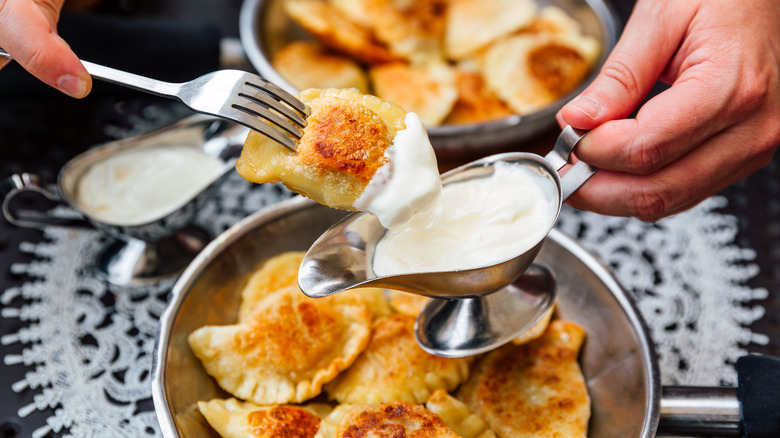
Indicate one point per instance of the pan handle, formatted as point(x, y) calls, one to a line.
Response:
point(752, 410)
point(699, 411)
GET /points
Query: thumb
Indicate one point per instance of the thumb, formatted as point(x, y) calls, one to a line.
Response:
point(646, 46)
point(29, 36)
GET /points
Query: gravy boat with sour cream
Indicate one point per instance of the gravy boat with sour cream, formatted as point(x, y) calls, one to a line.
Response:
point(142, 252)
point(474, 310)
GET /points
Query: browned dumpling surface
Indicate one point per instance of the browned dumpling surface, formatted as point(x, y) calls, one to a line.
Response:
point(342, 147)
point(537, 330)
point(394, 367)
point(529, 71)
point(457, 416)
point(332, 28)
point(531, 54)
point(286, 350)
point(306, 64)
point(428, 90)
point(413, 30)
point(232, 418)
point(476, 102)
point(533, 390)
point(554, 20)
point(277, 273)
point(474, 24)
point(392, 420)
point(408, 303)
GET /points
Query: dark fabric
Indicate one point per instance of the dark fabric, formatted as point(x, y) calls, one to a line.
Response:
point(43, 127)
point(759, 393)
point(168, 50)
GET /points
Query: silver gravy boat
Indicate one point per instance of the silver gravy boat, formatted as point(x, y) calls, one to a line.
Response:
point(135, 254)
point(474, 310)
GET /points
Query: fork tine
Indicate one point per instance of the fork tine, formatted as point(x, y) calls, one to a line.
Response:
point(279, 93)
point(268, 101)
point(263, 127)
point(256, 110)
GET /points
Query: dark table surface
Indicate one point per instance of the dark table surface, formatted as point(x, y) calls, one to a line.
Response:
point(40, 134)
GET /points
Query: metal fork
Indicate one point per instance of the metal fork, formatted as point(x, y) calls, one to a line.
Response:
point(231, 94)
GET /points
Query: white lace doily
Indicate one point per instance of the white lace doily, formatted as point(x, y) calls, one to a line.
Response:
point(89, 346)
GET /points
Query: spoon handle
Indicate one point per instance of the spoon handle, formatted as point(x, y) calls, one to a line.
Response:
point(559, 156)
point(575, 177)
point(561, 152)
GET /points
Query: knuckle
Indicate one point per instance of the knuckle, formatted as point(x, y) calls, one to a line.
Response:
point(649, 203)
point(34, 59)
point(644, 157)
point(622, 74)
point(51, 9)
point(756, 85)
point(753, 91)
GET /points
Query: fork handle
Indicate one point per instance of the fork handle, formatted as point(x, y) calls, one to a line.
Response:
point(119, 77)
point(138, 82)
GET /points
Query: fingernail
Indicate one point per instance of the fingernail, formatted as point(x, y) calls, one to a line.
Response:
point(587, 105)
point(73, 86)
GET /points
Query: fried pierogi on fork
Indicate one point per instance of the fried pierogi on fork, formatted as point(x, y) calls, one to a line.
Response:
point(342, 147)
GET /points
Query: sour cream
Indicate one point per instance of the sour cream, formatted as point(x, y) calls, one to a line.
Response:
point(137, 186)
point(408, 183)
point(475, 223)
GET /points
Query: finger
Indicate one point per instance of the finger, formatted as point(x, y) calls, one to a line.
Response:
point(667, 126)
point(694, 177)
point(626, 78)
point(41, 51)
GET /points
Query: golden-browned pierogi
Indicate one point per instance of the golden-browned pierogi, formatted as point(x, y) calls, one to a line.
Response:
point(533, 390)
point(358, 152)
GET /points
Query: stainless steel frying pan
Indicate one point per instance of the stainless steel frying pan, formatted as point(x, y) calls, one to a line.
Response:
point(618, 358)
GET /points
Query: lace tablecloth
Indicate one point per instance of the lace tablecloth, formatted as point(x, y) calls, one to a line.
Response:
point(88, 346)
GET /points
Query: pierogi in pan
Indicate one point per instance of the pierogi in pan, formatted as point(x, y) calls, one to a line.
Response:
point(539, 53)
point(533, 390)
point(305, 64)
point(428, 90)
point(233, 418)
point(349, 366)
point(280, 273)
point(396, 419)
point(394, 367)
point(457, 416)
point(287, 349)
point(334, 29)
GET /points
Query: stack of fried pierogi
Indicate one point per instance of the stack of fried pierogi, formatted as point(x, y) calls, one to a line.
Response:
point(349, 366)
point(449, 61)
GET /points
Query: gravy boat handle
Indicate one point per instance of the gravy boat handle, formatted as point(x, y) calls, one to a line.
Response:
point(29, 182)
point(559, 156)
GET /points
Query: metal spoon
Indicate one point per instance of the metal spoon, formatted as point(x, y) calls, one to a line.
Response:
point(496, 300)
